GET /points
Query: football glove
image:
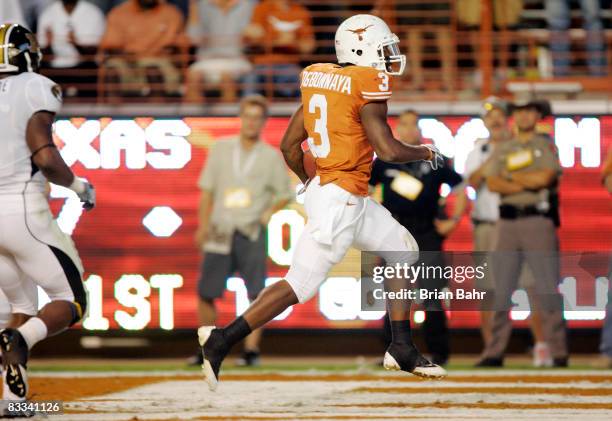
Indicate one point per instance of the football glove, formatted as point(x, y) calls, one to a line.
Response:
point(88, 196)
point(437, 160)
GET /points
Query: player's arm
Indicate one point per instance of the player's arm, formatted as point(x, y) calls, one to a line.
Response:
point(291, 145)
point(44, 153)
point(48, 159)
point(380, 136)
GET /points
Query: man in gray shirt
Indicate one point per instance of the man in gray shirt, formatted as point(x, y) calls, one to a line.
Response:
point(243, 184)
point(218, 34)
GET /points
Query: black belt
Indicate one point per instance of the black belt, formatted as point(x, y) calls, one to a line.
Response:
point(513, 212)
point(477, 222)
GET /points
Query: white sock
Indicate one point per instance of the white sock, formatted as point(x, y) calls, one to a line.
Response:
point(33, 331)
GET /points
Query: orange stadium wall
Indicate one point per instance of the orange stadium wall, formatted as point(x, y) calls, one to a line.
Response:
point(137, 245)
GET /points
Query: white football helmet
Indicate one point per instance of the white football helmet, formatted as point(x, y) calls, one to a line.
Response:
point(366, 40)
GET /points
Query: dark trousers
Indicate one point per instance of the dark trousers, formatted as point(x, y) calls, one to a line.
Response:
point(434, 328)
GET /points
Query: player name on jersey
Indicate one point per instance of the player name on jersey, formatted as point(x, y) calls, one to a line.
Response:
point(330, 81)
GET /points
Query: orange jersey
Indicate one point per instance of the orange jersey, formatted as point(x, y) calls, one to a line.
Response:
point(332, 97)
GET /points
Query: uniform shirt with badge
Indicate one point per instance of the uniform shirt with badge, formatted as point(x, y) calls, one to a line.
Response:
point(413, 189)
point(243, 184)
point(514, 156)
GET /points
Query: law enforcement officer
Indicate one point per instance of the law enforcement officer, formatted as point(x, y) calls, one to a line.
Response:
point(525, 171)
point(243, 183)
point(485, 214)
point(411, 192)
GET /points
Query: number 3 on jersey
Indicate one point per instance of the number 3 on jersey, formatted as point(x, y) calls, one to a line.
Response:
point(384, 86)
point(320, 147)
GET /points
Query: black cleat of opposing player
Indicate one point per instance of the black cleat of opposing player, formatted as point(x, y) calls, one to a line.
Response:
point(406, 357)
point(214, 351)
point(14, 363)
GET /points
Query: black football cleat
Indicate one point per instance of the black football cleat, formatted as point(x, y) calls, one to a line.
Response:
point(14, 363)
point(196, 359)
point(407, 358)
point(248, 359)
point(490, 362)
point(214, 350)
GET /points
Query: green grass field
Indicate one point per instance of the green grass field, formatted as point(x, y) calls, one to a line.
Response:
point(276, 364)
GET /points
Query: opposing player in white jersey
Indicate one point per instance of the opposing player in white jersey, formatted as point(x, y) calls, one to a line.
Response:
point(33, 250)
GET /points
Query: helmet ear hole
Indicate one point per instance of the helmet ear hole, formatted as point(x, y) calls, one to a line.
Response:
point(359, 52)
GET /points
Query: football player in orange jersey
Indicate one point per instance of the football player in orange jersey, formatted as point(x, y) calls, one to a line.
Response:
point(344, 119)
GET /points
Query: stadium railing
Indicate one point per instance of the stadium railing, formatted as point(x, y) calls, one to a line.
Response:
point(447, 61)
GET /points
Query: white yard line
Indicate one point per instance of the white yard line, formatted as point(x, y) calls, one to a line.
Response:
point(287, 400)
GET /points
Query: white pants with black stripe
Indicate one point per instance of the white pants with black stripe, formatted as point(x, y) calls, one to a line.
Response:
point(34, 251)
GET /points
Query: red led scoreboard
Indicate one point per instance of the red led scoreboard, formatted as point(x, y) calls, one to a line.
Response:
point(137, 246)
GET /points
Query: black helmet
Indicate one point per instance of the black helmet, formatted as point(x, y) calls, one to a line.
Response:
point(19, 50)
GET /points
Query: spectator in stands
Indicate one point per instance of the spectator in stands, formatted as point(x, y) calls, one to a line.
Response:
point(218, 33)
point(506, 16)
point(184, 6)
point(70, 31)
point(143, 33)
point(559, 19)
point(32, 9)
point(107, 5)
point(279, 32)
point(506, 13)
point(420, 22)
point(10, 12)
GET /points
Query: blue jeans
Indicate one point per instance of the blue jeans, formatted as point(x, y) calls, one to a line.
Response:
point(284, 77)
point(558, 16)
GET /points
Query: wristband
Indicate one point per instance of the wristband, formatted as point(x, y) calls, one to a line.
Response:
point(77, 185)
